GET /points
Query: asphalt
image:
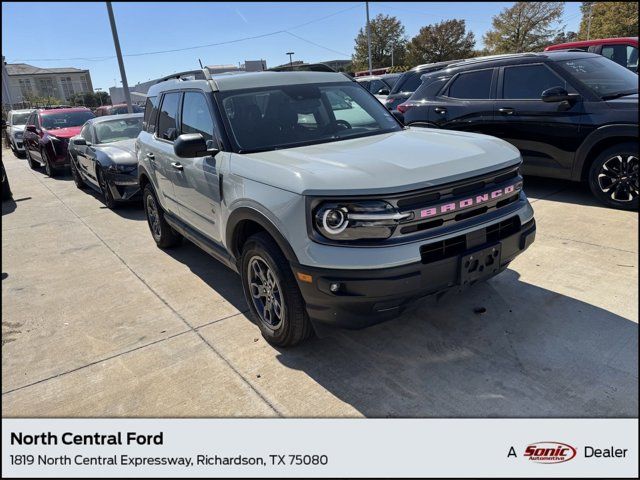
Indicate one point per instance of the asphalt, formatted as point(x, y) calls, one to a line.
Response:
point(98, 322)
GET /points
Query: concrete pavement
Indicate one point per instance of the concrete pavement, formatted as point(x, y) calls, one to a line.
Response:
point(97, 321)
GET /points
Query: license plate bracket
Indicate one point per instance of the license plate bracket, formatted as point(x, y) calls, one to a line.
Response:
point(479, 264)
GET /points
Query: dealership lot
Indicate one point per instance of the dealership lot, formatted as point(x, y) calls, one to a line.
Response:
point(97, 321)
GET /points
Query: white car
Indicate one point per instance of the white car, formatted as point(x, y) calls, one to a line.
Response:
point(379, 85)
point(16, 120)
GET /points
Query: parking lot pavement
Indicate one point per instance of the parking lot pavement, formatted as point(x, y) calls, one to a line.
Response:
point(97, 321)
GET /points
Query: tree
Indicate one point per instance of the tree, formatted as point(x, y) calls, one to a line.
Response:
point(609, 19)
point(387, 36)
point(524, 27)
point(564, 37)
point(447, 40)
point(90, 99)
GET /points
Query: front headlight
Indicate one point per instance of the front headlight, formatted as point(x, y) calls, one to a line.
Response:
point(18, 135)
point(122, 168)
point(357, 220)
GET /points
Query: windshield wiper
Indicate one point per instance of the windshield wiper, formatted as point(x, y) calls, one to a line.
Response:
point(611, 96)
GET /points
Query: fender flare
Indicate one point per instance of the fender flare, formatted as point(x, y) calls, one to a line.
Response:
point(598, 135)
point(142, 171)
point(248, 213)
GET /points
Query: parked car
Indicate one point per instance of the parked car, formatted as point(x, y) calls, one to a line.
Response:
point(6, 189)
point(573, 115)
point(47, 134)
point(16, 120)
point(103, 157)
point(325, 221)
point(623, 51)
point(409, 81)
point(379, 85)
point(118, 109)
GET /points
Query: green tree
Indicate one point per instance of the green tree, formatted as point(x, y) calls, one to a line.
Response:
point(387, 36)
point(447, 40)
point(90, 99)
point(609, 19)
point(524, 27)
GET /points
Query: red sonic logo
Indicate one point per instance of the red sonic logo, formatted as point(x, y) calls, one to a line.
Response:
point(550, 452)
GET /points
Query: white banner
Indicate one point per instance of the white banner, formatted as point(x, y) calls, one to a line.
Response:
point(320, 448)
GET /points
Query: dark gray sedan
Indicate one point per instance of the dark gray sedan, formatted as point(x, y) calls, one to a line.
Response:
point(102, 157)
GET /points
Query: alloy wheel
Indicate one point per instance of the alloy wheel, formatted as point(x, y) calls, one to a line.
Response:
point(153, 218)
point(618, 178)
point(47, 165)
point(266, 293)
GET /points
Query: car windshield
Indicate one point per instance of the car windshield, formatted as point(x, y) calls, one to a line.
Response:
point(53, 121)
point(605, 77)
point(295, 115)
point(19, 118)
point(116, 130)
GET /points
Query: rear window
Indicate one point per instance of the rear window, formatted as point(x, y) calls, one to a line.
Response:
point(472, 85)
point(408, 83)
point(430, 87)
point(150, 115)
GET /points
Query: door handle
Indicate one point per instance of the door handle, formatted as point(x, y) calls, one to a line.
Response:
point(440, 110)
point(506, 111)
point(177, 165)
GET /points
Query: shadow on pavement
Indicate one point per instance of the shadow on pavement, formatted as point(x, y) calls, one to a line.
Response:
point(8, 206)
point(539, 188)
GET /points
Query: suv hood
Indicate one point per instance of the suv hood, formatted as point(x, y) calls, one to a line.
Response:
point(389, 163)
point(64, 132)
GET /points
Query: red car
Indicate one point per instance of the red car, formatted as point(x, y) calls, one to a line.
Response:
point(47, 134)
point(118, 109)
point(622, 50)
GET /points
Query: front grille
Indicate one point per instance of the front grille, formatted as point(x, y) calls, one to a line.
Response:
point(455, 246)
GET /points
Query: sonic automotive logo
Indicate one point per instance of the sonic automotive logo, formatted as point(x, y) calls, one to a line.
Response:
point(550, 452)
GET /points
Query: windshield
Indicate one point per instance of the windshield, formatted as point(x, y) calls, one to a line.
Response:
point(605, 77)
point(53, 121)
point(116, 130)
point(19, 118)
point(295, 115)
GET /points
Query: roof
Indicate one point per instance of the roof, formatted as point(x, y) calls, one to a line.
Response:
point(22, 110)
point(26, 69)
point(63, 110)
point(247, 80)
point(123, 116)
point(375, 77)
point(520, 58)
point(599, 41)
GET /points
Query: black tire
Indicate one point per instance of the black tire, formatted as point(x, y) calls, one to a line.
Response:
point(6, 189)
point(613, 176)
point(292, 326)
point(77, 177)
point(32, 165)
point(107, 196)
point(48, 167)
point(163, 234)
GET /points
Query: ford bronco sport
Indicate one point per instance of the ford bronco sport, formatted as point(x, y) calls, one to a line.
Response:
point(327, 206)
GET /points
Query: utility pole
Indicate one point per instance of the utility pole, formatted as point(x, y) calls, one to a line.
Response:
point(6, 95)
point(116, 42)
point(368, 37)
point(290, 58)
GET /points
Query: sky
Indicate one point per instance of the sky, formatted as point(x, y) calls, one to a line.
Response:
point(58, 34)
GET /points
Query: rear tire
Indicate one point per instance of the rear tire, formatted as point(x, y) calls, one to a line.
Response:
point(163, 234)
point(613, 176)
point(271, 292)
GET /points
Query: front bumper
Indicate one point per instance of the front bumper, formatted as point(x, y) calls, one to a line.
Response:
point(17, 144)
point(367, 297)
point(124, 186)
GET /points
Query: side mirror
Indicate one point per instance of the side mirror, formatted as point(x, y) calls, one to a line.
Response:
point(80, 142)
point(399, 116)
point(31, 128)
point(556, 94)
point(383, 91)
point(190, 145)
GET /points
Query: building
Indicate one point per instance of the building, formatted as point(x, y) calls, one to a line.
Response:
point(138, 92)
point(27, 82)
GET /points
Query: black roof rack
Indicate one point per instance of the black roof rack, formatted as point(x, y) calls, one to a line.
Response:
point(303, 67)
point(199, 74)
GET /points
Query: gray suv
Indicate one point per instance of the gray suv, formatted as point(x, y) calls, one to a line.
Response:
point(331, 210)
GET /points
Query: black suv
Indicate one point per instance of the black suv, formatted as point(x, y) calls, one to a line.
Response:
point(409, 81)
point(573, 115)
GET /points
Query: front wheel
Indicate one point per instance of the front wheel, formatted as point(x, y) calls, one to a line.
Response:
point(163, 234)
point(32, 165)
point(613, 176)
point(107, 196)
point(77, 178)
point(272, 293)
point(48, 166)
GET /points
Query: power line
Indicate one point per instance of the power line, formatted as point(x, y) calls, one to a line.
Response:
point(317, 44)
point(158, 52)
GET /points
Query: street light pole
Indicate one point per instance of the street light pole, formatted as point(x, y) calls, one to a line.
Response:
point(589, 21)
point(290, 58)
point(116, 42)
point(368, 37)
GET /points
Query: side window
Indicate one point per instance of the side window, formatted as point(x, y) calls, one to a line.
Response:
point(376, 85)
point(472, 85)
point(430, 88)
point(632, 58)
point(150, 114)
point(527, 82)
point(617, 53)
point(196, 117)
point(411, 83)
point(86, 133)
point(365, 84)
point(167, 125)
